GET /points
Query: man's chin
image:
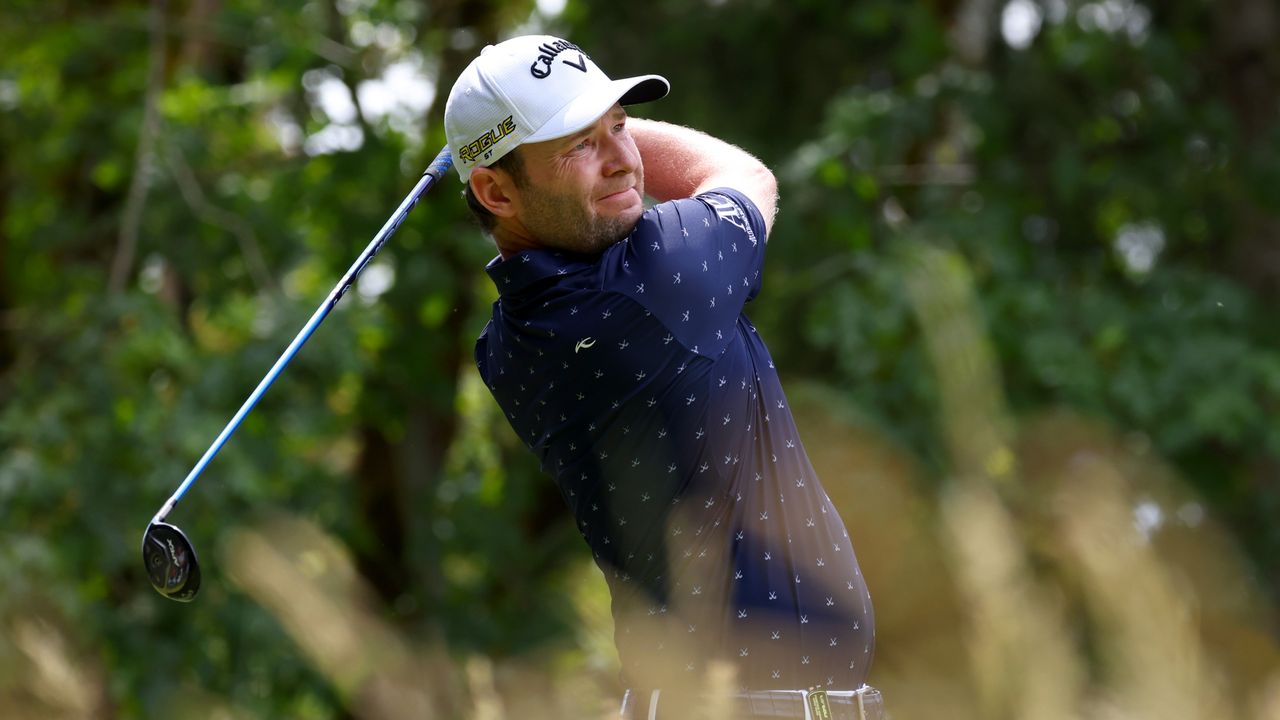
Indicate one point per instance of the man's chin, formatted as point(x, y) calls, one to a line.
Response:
point(600, 233)
point(625, 223)
point(605, 237)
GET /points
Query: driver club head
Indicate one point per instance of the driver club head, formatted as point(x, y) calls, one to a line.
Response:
point(171, 562)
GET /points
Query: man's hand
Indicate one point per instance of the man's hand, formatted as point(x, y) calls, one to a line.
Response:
point(680, 162)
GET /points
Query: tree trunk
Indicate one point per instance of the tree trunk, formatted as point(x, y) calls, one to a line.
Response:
point(1246, 40)
point(199, 49)
point(7, 304)
point(971, 27)
point(398, 478)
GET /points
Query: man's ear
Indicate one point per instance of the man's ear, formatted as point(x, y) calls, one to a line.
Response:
point(495, 190)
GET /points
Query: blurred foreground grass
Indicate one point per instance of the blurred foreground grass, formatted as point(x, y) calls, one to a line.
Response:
point(1062, 571)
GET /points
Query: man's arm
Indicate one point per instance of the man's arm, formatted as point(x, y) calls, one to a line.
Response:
point(680, 162)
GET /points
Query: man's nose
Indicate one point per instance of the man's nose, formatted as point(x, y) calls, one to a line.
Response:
point(621, 154)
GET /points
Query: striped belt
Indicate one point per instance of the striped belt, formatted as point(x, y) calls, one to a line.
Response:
point(864, 703)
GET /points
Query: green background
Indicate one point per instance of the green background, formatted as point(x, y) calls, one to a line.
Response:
point(1016, 240)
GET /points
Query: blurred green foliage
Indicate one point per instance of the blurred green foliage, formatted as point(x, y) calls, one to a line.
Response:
point(1111, 182)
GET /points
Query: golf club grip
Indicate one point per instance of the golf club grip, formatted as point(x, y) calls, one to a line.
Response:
point(434, 172)
point(441, 165)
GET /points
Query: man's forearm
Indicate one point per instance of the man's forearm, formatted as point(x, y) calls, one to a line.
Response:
point(680, 162)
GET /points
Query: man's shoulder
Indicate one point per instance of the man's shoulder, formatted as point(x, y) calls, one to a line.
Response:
point(724, 202)
point(735, 208)
point(703, 221)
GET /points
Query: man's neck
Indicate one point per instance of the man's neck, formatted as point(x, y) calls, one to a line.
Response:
point(512, 241)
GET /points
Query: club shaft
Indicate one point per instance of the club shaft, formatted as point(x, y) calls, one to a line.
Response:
point(433, 173)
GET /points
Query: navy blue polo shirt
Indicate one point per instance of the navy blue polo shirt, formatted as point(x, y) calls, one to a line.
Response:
point(649, 397)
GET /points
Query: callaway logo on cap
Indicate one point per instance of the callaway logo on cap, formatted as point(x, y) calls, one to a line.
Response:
point(529, 89)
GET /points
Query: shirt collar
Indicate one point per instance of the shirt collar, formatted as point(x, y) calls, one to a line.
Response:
point(520, 271)
point(513, 275)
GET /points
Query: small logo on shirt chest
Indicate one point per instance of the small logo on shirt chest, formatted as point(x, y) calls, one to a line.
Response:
point(584, 344)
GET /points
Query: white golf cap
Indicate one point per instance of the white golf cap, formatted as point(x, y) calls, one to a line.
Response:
point(529, 89)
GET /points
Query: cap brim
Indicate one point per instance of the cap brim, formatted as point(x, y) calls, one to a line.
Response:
point(588, 107)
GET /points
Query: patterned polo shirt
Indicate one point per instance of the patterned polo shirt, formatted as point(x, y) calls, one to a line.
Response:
point(649, 397)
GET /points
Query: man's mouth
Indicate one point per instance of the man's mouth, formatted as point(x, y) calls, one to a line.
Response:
point(618, 195)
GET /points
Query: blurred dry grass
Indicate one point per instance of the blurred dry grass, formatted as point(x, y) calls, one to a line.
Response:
point(42, 674)
point(309, 582)
point(1063, 572)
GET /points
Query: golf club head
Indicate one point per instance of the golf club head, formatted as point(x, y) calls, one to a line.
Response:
point(171, 562)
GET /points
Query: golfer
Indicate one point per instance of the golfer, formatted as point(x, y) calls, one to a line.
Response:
point(619, 352)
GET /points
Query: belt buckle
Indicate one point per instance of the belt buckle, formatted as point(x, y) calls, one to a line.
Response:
point(817, 704)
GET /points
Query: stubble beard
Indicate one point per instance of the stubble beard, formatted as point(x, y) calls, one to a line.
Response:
point(561, 222)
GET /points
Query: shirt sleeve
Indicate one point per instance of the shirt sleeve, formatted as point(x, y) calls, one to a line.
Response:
point(694, 263)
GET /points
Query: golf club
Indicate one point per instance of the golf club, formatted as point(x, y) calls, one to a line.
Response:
point(167, 554)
